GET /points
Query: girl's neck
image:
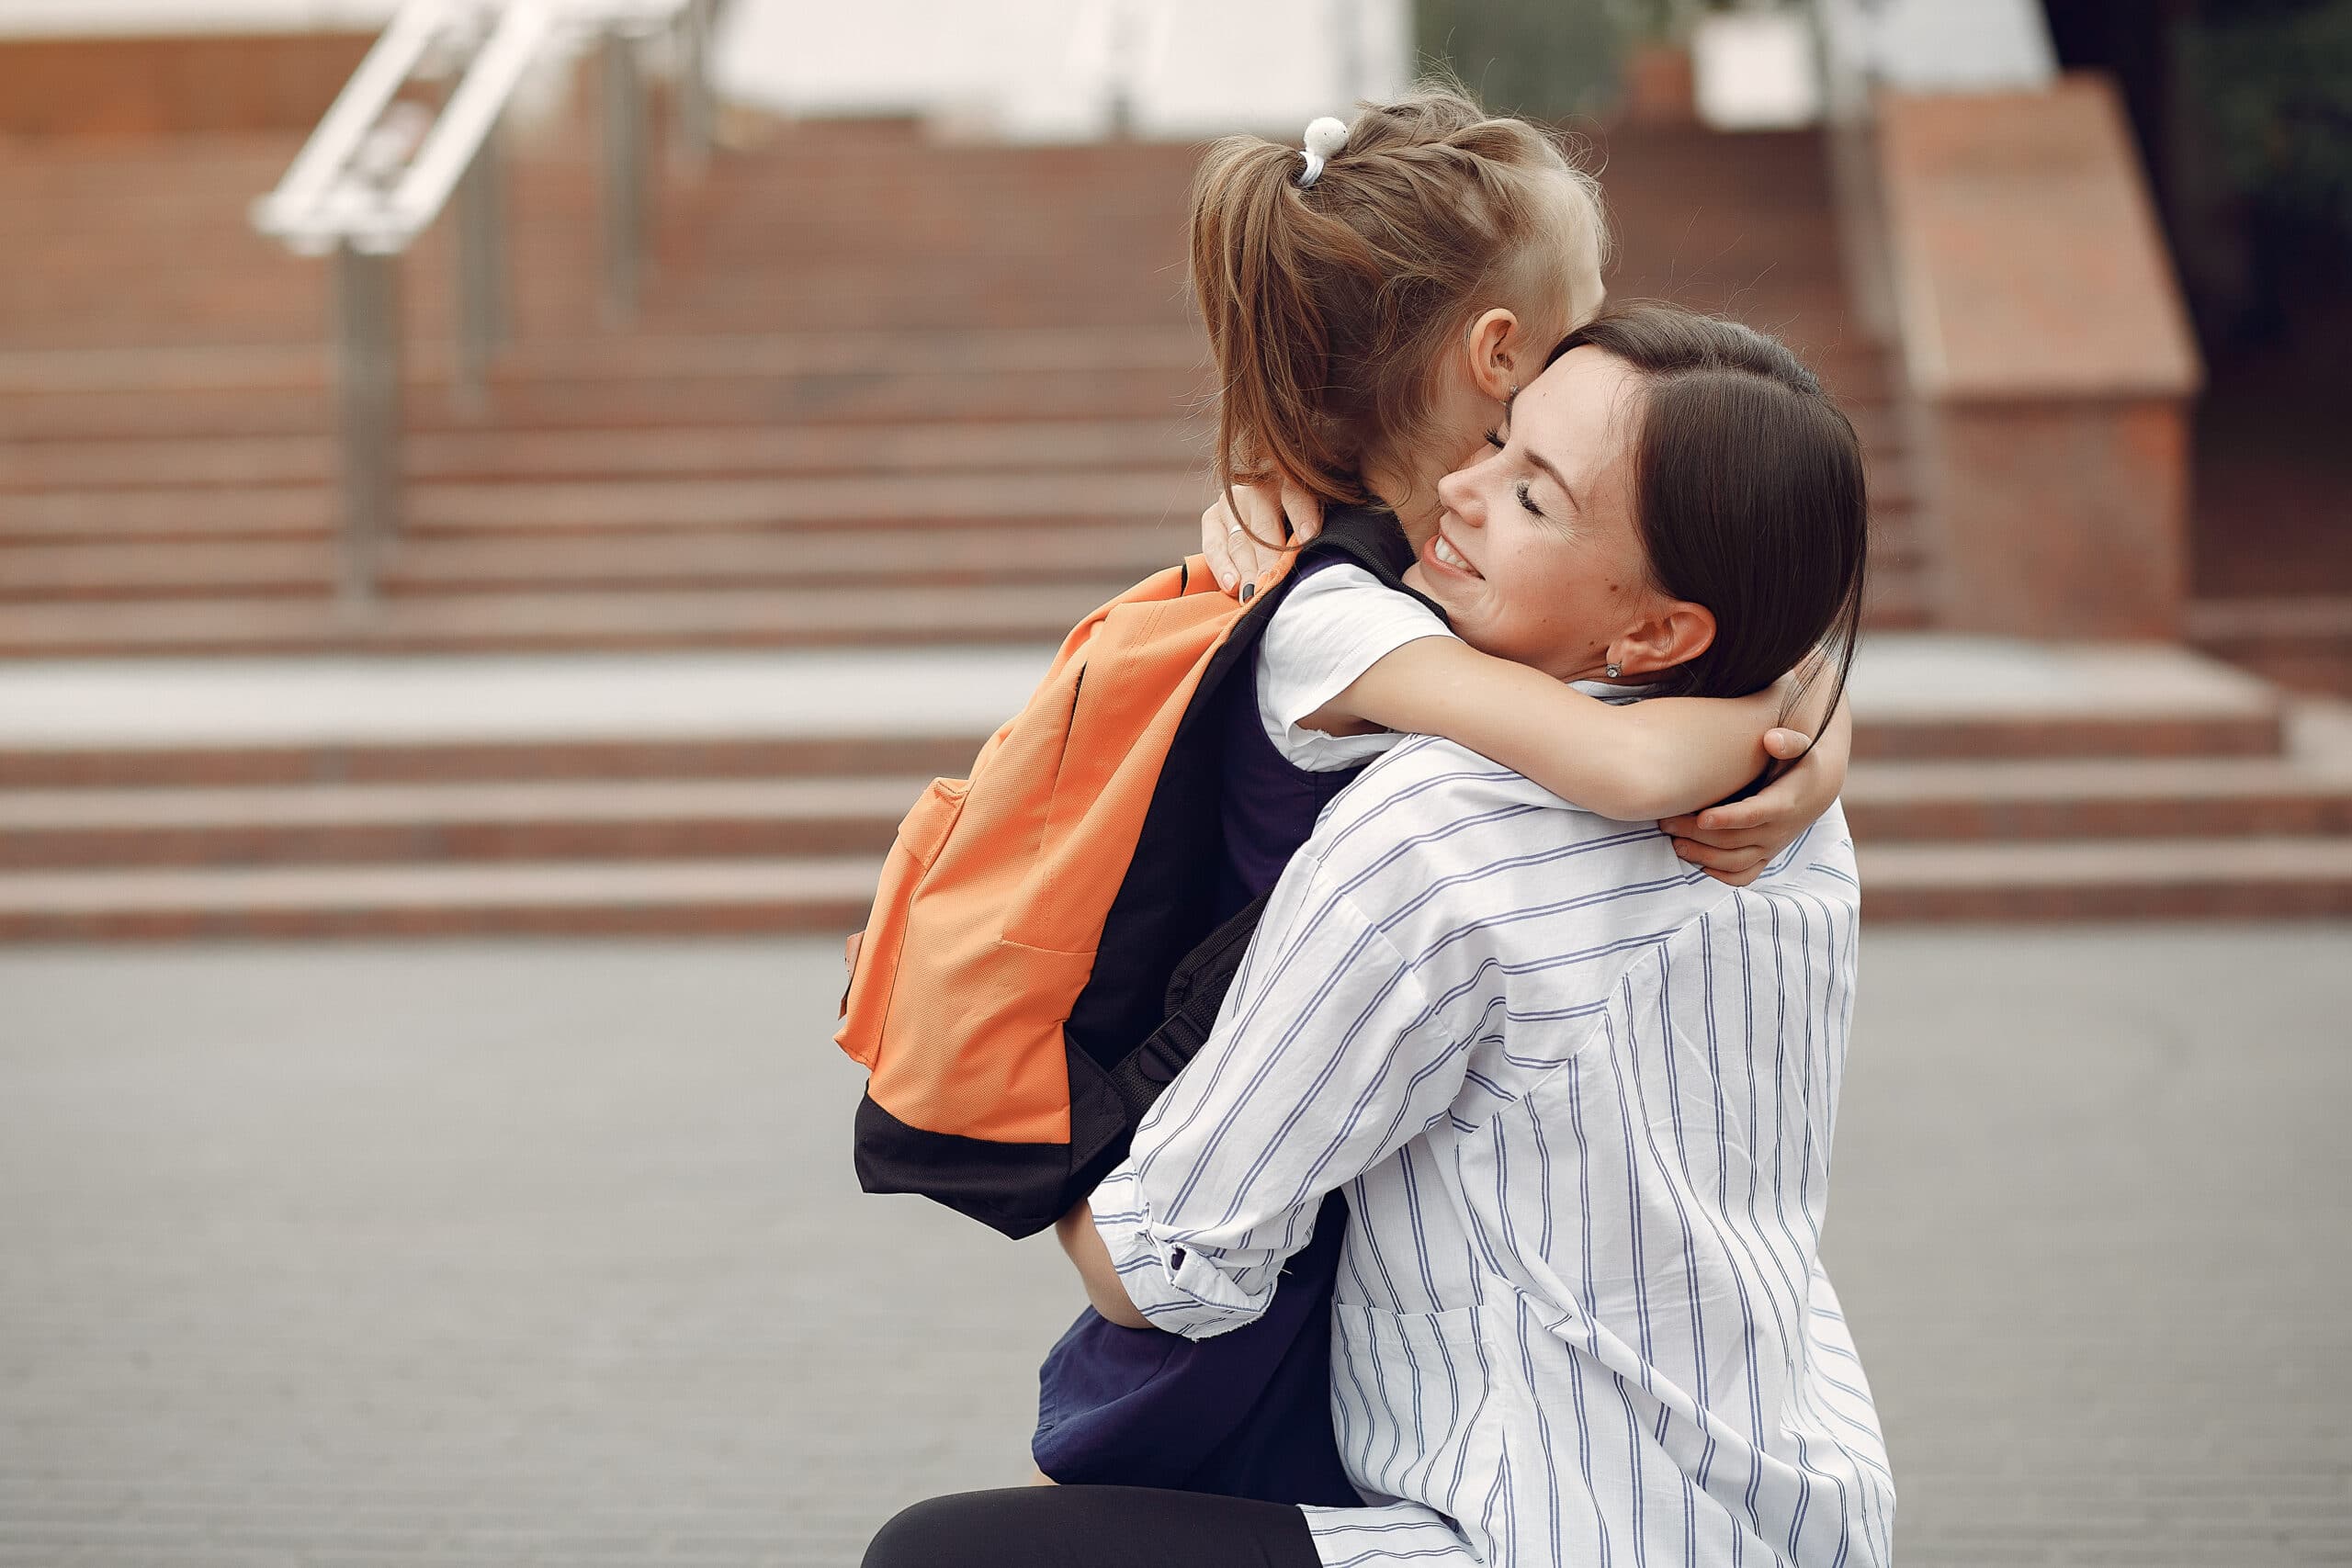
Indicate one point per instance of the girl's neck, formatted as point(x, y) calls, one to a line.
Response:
point(1405, 489)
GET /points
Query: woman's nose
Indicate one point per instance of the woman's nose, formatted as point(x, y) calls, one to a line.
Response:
point(1456, 492)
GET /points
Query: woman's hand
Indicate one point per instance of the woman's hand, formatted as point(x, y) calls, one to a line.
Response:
point(1237, 558)
point(1734, 843)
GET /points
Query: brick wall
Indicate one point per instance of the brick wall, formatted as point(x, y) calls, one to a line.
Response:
point(154, 85)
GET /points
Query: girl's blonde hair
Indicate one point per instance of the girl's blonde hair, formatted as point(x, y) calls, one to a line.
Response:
point(1328, 306)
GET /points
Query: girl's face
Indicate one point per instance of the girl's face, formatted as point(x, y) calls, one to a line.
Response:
point(1536, 557)
point(1475, 380)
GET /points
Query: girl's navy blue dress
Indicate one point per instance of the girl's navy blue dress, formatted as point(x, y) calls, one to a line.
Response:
point(1247, 1413)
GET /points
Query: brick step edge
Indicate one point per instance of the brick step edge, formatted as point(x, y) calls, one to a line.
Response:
point(577, 899)
point(2125, 879)
point(448, 823)
point(667, 759)
point(444, 822)
point(2300, 642)
point(2264, 878)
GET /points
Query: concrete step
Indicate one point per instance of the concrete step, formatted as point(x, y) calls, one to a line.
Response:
point(1920, 699)
point(487, 617)
point(246, 568)
point(511, 454)
point(2303, 642)
point(555, 820)
point(2064, 880)
point(2109, 879)
point(673, 897)
point(1930, 698)
point(702, 793)
point(2305, 791)
point(501, 622)
point(549, 508)
point(836, 713)
point(671, 356)
point(851, 399)
point(979, 557)
point(425, 820)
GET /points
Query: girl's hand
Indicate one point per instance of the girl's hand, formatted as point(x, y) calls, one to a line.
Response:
point(1734, 843)
point(1104, 1290)
point(1237, 560)
point(848, 964)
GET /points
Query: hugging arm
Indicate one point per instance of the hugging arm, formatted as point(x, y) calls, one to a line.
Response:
point(1734, 843)
point(1083, 1245)
point(1328, 1058)
point(1633, 762)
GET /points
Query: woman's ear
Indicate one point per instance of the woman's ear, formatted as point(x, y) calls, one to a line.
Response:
point(1674, 632)
point(1496, 348)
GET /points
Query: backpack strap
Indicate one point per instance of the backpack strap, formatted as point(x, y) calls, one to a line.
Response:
point(1195, 995)
point(1141, 990)
point(1373, 540)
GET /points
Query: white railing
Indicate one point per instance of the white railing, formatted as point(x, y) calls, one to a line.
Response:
point(381, 166)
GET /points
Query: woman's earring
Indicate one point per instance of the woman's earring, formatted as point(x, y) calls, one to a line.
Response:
point(1615, 670)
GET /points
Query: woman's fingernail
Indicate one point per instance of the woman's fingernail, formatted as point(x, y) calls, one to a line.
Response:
point(1249, 591)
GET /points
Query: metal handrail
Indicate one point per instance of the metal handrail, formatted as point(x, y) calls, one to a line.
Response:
point(378, 171)
point(326, 157)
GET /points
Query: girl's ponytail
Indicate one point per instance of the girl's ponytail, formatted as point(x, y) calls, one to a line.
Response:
point(1261, 279)
point(1327, 305)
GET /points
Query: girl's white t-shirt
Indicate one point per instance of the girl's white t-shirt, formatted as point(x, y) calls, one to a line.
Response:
point(1330, 628)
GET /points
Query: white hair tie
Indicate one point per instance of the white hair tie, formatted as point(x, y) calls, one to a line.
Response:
point(1325, 137)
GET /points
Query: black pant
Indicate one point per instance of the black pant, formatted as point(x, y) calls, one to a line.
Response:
point(1094, 1526)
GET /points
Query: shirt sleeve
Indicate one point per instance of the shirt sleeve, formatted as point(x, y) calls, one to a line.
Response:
point(1329, 630)
point(1331, 1054)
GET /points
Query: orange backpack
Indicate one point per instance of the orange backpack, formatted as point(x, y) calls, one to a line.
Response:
point(1044, 951)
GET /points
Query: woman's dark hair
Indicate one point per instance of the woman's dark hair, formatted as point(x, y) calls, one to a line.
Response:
point(1749, 496)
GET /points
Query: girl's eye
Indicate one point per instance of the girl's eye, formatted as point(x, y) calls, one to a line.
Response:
point(1494, 439)
point(1525, 497)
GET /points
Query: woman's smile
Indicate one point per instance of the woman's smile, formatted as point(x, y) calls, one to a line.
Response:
point(1444, 556)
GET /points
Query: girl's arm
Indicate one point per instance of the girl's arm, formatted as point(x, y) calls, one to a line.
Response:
point(1104, 1290)
point(1633, 762)
point(1734, 843)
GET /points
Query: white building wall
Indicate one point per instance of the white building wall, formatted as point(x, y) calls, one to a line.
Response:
point(1931, 46)
point(98, 19)
point(1033, 70)
point(1054, 69)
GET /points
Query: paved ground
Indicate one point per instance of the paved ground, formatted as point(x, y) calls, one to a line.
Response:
point(515, 1253)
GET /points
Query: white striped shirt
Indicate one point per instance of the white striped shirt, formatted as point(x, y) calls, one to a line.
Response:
point(1580, 1097)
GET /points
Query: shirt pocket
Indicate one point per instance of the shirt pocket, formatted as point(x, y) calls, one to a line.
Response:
point(1411, 1400)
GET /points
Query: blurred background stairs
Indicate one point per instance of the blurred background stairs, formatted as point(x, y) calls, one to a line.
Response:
point(878, 391)
point(885, 396)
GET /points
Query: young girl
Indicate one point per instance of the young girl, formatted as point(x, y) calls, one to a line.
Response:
point(1373, 304)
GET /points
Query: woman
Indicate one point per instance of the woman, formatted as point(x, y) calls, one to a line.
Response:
point(1579, 1096)
point(1372, 305)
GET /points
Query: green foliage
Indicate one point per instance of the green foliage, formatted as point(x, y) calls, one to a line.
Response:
point(1547, 59)
point(1543, 59)
point(2277, 97)
point(1654, 20)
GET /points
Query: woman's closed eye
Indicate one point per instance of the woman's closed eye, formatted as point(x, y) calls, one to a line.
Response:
point(1525, 491)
